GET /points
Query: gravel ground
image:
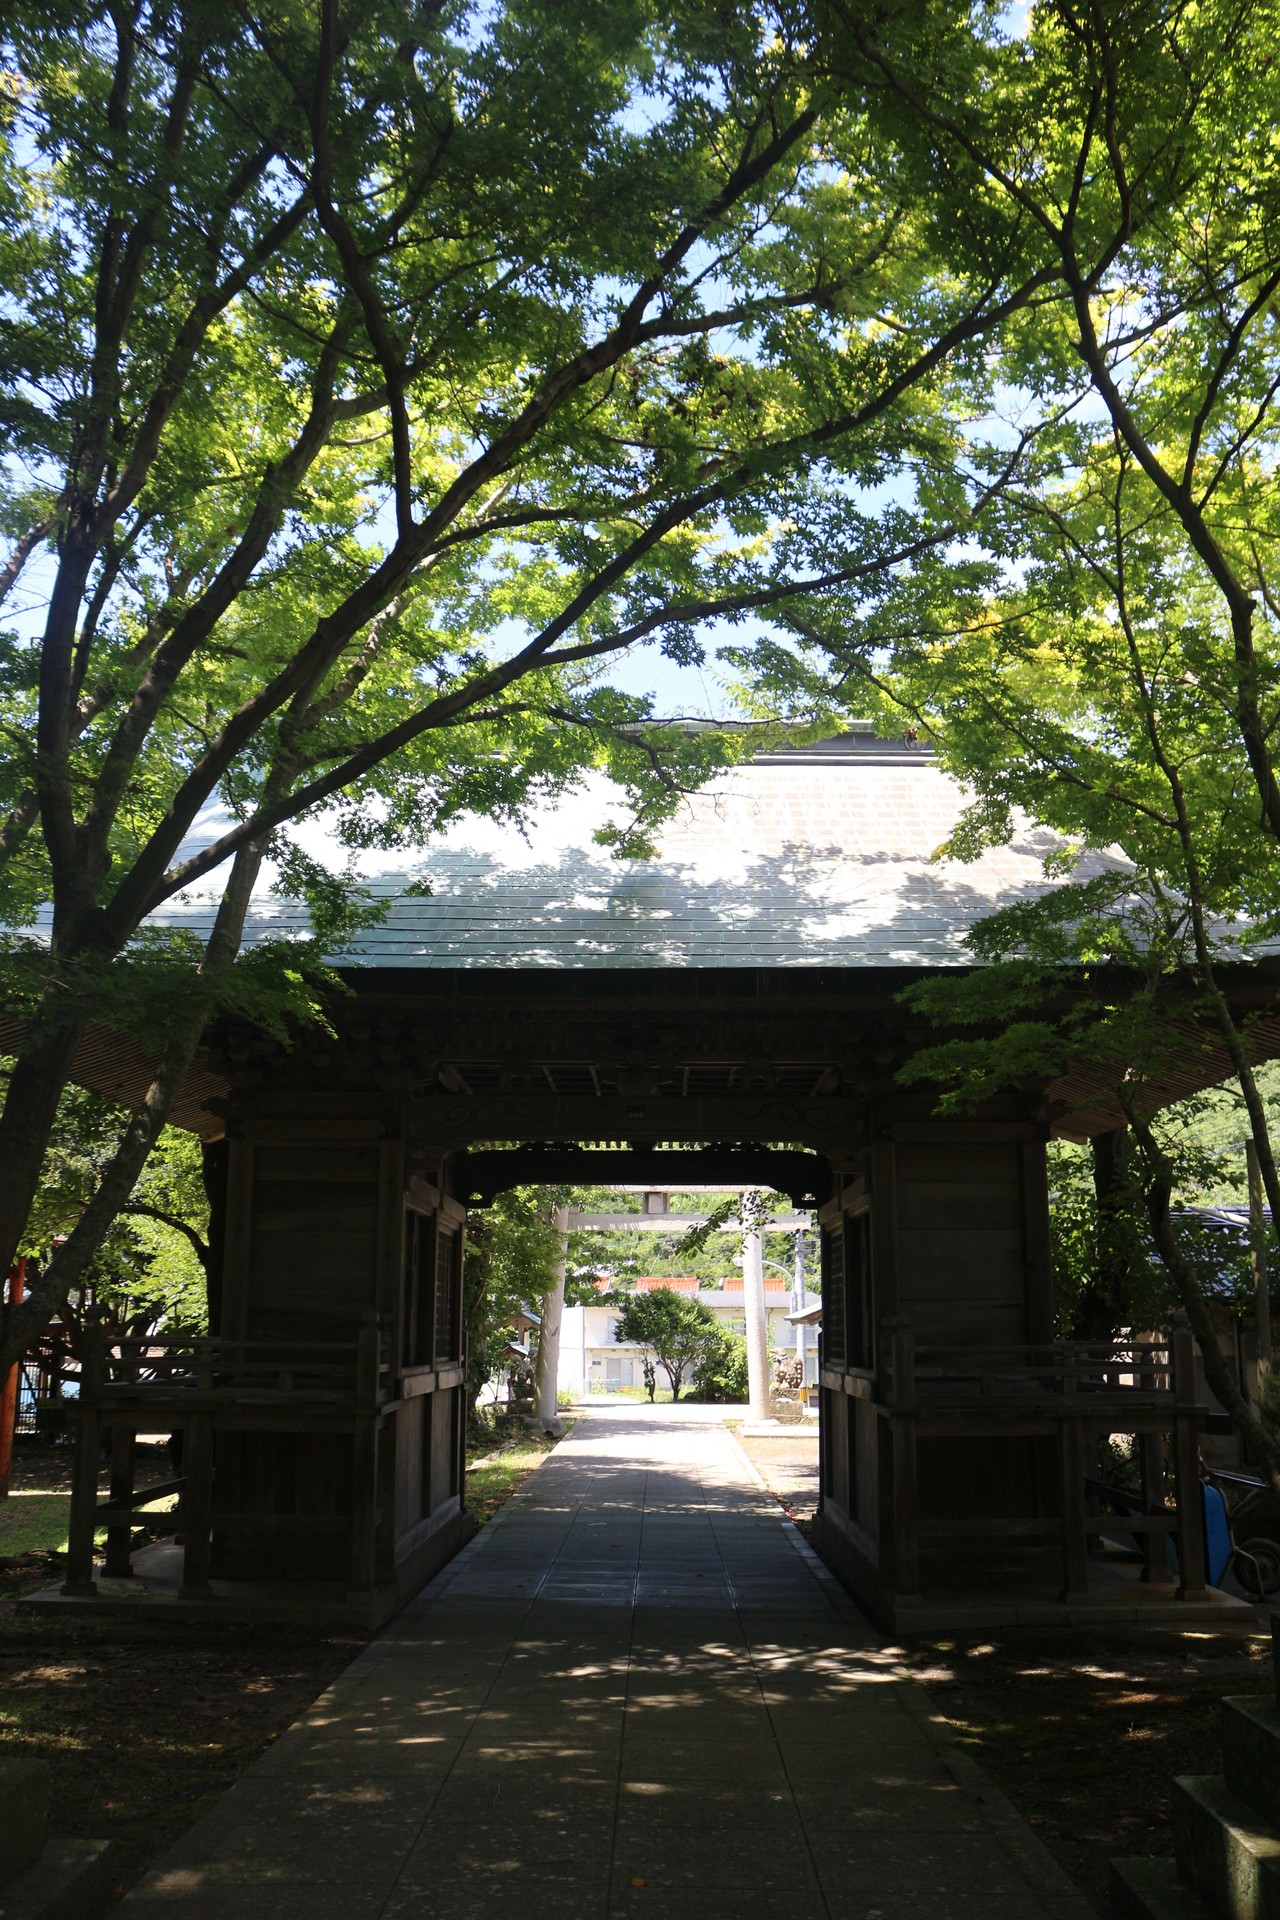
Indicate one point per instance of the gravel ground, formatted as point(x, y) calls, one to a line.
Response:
point(788, 1464)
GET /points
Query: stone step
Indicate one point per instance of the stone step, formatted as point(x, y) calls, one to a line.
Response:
point(70, 1879)
point(1251, 1752)
point(1226, 1850)
point(1153, 1890)
point(24, 1812)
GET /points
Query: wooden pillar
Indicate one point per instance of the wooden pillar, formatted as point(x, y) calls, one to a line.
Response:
point(84, 1473)
point(197, 1495)
point(1186, 1464)
point(197, 1506)
point(364, 1504)
point(1075, 1535)
point(124, 1447)
point(902, 1433)
point(1156, 1570)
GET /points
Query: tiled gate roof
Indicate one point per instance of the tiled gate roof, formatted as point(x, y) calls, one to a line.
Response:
point(811, 859)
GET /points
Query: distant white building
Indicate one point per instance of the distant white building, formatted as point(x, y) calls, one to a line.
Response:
point(594, 1360)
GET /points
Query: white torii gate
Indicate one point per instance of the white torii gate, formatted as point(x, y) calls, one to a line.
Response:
point(655, 1218)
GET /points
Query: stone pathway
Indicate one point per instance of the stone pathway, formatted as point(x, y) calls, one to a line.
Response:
point(636, 1696)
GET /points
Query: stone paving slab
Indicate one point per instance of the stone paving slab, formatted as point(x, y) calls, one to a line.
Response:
point(635, 1696)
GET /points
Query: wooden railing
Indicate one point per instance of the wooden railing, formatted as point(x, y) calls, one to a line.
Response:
point(199, 1387)
point(1071, 1389)
point(912, 1374)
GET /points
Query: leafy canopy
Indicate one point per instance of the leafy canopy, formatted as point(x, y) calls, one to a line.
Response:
point(369, 376)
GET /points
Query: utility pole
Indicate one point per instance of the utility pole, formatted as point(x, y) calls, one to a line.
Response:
point(797, 1306)
point(756, 1318)
point(1258, 1260)
point(547, 1370)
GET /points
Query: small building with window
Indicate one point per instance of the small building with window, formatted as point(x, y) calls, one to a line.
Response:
point(594, 1360)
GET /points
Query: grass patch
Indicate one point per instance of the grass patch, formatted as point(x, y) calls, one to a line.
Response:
point(33, 1522)
point(495, 1476)
point(36, 1516)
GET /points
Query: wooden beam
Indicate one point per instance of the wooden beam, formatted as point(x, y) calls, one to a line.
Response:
point(679, 1222)
point(480, 1174)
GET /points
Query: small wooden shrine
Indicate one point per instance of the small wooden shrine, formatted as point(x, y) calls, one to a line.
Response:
point(692, 1017)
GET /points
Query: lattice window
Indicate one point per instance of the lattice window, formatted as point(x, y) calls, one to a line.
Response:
point(859, 1340)
point(448, 1294)
point(417, 1301)
point(833, 1295)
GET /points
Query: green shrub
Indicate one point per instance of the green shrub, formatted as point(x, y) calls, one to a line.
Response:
point(721, 1373)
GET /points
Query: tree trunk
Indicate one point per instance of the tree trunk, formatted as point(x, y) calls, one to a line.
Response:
point(40, 1073)
point(1102, 1309)
point(1261, 1443)
point(21, 1326)
point(547, 1371)
point(24, 1324)
point(215, 1164)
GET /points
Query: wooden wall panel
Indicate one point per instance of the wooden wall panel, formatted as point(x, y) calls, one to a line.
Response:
point(409, 1462)
point(962, 1241)
point(977, 1475)
point(964, 1163)
point(426, 1455)
point(441, 1448)
point(986, 1262)
point(314, 1249)
point(834, 1318)
point(963, 1323)
point(884, 1229)
point(1013, 1476)
point(836, 1422)
point(968, 1206)
point(237, 1239)
point(866, 1466)
point(282, 1506)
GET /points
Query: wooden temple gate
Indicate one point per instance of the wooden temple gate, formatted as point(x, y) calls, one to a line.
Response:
point(323, 1421)
point(323, 1424)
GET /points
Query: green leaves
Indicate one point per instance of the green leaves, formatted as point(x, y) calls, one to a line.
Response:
point(364, 393)
point(675, 1327)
